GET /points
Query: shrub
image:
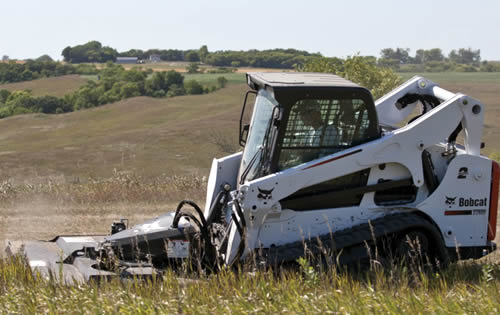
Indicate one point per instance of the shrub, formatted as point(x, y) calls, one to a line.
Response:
point(193, 87)
point(221, 82)
point(176, 90)
point(360, 70)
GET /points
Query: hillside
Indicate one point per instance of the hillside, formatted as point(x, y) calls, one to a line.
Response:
point(142, 134)
point(55, 86)
point(155, 136)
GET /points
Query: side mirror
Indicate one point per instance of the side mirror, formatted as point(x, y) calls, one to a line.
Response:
point(244, 135)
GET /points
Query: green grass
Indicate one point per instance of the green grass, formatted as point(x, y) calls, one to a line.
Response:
point(92, 77)
point(211, 78)
point(462, 289)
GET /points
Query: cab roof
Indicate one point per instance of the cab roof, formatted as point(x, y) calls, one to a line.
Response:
point(258, 80)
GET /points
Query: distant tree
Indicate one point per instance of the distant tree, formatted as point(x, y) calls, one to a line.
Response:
point(192, 68)
point(221, 82)
point(203, 52)
point(173, 77)
point(419, 56)
point(400, 54)
point(28, 75)
point(434, 54)
point(44, 58)
point(49, 105)
point(21, 99)
point(4, 94)
point(192, 56)
point(130, 89)
point(193, 87)
point(5, 58)
point(176, 90)
point(465, 56)
point(92, 51)
point(135, 53)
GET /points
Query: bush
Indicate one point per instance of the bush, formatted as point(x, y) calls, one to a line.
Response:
point(221, 82)
point(176, 90)
point(4, 94)
point(439, 66)
point(360, 70)
point(193, 87)
point(192, 68)
point(489, 67)
point(465, 68)
point(222, 70)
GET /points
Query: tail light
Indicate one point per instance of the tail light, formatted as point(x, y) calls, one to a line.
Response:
point(492, 220)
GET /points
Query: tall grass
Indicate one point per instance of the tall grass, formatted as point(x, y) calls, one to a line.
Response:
point(121, 187)
point(471, 288)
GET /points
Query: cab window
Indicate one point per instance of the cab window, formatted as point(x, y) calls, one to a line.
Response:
point(320, 127)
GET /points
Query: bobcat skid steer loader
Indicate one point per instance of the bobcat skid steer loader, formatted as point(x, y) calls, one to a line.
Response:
point(324, 171)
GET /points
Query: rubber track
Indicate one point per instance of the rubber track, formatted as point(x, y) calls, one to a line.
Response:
point(352, 241)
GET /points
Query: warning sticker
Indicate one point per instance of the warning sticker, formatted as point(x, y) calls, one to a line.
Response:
point(178, 249)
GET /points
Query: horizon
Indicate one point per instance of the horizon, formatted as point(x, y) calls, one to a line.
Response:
point(337, 29)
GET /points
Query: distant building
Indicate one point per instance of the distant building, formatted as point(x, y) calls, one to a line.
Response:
point(127, 60)
point(155, 58)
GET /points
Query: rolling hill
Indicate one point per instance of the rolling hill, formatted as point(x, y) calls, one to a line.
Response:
point(55, 86)
point(142, 134)
point(152, 136)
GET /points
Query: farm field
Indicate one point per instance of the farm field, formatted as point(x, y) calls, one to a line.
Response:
point(55, 86)
point(180, 66)
point(77, 172)
point(211, 78)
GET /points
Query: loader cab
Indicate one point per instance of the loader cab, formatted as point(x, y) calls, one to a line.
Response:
point(300, 117)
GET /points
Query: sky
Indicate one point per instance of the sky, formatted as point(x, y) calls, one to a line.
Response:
point(31, 28)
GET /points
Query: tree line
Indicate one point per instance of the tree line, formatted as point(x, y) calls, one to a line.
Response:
point(434, 60)
point(40, 68)
point(272, 58)
point(399, 59)
point(113, 83)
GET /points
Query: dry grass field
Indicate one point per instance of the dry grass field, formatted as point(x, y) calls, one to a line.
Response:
point(55, 86)
point(143, 135)
point(154, 138)
point(77, 172)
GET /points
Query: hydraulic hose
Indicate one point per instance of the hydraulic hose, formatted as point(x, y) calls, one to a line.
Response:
point(199, 221)
point(241, 230)
point(203, 225)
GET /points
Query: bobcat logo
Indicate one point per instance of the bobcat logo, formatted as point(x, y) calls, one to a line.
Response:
point(450, 200)
point(265, 194)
